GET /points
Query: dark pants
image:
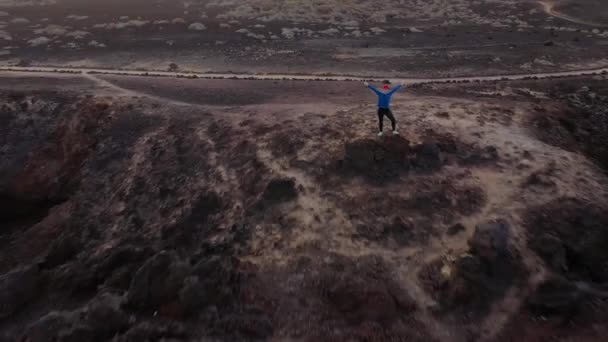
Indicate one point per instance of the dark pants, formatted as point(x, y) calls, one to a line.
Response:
point(386, 111)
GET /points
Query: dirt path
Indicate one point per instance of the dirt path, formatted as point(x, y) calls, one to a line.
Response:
point(17, 71)
point(549, 8)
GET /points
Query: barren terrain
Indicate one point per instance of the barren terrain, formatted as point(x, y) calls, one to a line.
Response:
point(139, 209)
point(430, 38)
point(210, 171)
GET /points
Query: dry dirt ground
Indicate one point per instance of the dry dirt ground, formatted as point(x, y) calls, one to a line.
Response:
point(363, 37)
point(160, 209)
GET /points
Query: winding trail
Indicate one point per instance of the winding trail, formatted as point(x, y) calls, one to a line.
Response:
point(21, 71)
point(549, 8)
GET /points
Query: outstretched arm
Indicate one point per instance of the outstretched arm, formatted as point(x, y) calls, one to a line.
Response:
point(374, 89)
point(396, 88)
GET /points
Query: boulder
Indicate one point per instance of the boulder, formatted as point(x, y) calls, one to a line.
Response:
point(490, 240)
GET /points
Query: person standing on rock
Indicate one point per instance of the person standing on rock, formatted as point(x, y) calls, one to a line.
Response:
point(384, 104)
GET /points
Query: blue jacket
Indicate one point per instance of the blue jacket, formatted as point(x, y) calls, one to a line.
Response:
point(384, 99)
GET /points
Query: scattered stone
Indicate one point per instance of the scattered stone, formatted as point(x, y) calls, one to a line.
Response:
point(77, 34)
point(5, 35)
point(96, 44)
point(456, 229)
point(490, 240)
point(197, 27)
point(20, 21)
point(541, 178)
point(330, 32)
point(280, 190)
point(377, 30)
point(52, 30)
point(77, 17)
point(39, 41)
point(24, 62)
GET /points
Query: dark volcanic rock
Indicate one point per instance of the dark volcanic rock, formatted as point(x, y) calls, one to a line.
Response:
point(483, 275)
point(428, 156)
point(158, 281)
point(250, 324)
point(218, 279)
point(378, 160)
point(193, 296)
point(490, 240)
point(86, 273)
point(552, 250)
point(63, 249)
point(571, 235)
point(48, 327)
point(575, 301)
point(364, 292)
point(77, 333)
point(155, 331)
point(104, 316)
point(280, 190)
point(455, 229)
point(17, 288)
point(556, 296)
